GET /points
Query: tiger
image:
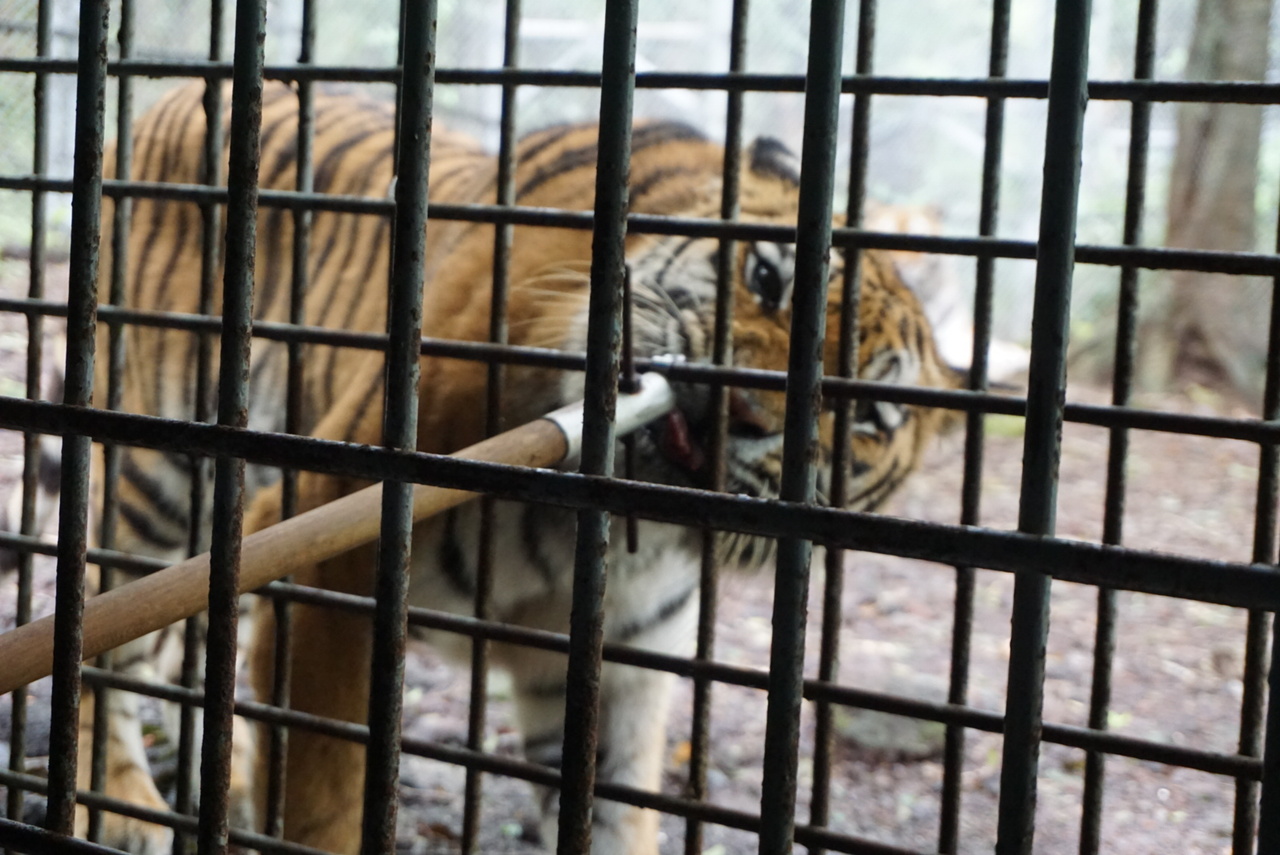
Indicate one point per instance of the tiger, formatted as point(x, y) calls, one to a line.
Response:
point(942, 294)
point(652, 595)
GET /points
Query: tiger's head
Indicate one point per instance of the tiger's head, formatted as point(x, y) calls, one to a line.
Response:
point(673, 283)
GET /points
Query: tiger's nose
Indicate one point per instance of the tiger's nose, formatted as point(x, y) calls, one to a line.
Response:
point(747, 418)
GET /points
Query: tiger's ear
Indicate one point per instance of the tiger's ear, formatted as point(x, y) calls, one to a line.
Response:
point(768, 157)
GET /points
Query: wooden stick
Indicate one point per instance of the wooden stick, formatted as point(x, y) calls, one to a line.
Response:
point(182, 590)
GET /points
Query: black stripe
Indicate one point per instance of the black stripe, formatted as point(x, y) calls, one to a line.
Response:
point(163, 226)
point(875, 494)
point(374, 388)
point(657, 177)
point(271, 248)
point(159, 207)
point(658, 133)
point(545, 750)
point(326, 170)
point(669, 608)
point(567, 162)
point(453, 563)
point(378, 245)
point(539, 141)
point(268, 354)
point(348, 236)
point(660, 278)
point(49, 473)
point(531, 538)
point(325, 120)
point(145, 530)
point(770, 158)
point(644, 136)
point(172, 510)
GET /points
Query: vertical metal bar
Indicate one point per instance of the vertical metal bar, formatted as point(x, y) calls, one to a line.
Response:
point(502, 234)
point(1252, 725)
point(1269, 801)
point(1118, 451)
point(1045, 393)
point(400, 424)
point(304, 181)
point(115, 365)
point(31, 456)
point(233, 407)
point(975, 435)
point(841, 457)
point(604, 331)
point(721, 354)
point(197, 537)
point(82, 300)
point(804, 400)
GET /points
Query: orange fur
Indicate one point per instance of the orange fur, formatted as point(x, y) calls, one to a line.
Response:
point(673, 172)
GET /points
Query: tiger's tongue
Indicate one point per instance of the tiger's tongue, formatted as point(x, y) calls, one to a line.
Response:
point(677, 444)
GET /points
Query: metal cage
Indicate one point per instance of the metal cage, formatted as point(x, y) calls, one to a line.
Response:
point(1033, 554)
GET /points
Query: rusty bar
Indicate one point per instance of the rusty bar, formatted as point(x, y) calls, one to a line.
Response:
point(721, 354)
point(1215, 581)
point(233, 404)
point(282, 660)
point(804, 399)
point(1118, 447)
point(604, 330)
point(1045, 393)
point(179, 823)
point(1269, 799)
point(31, 442)
point(975, 435)
point(82, 299)
point(400, 423)
point(1253, 727)
point(842, 431)
point(1215, 763)
point(1247, 430)
point(1153, 258)
point(502, 235)
point(191, 669)
point(1219, 91)
point(115, 366)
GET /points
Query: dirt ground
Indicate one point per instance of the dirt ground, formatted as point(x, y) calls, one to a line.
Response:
point(1177, 676)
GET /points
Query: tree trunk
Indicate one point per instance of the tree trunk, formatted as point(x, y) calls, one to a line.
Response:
point(1211, 328)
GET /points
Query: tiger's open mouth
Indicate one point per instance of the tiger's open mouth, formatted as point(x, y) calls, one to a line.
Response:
point(679, 444)
point(682, 438)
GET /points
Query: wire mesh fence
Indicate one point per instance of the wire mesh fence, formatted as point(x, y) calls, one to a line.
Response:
point(255, 229)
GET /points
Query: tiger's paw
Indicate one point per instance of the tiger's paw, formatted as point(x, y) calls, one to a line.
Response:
point(128, 834)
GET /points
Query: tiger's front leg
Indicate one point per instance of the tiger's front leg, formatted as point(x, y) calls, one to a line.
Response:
point(128, 776)
point(330, 661)
point(633, 715)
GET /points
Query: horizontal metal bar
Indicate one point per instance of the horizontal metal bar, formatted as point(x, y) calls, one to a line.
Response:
point(136, 564)
point(1226, 583)
point(489, 763)
point(1223, 91)
point(1151, 258)
point(20, 837)
point(1230, 765)
point(1109, 416)
point(1233, 765)
point(169, 819)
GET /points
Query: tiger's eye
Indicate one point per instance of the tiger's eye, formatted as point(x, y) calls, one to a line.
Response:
point(767, 283)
